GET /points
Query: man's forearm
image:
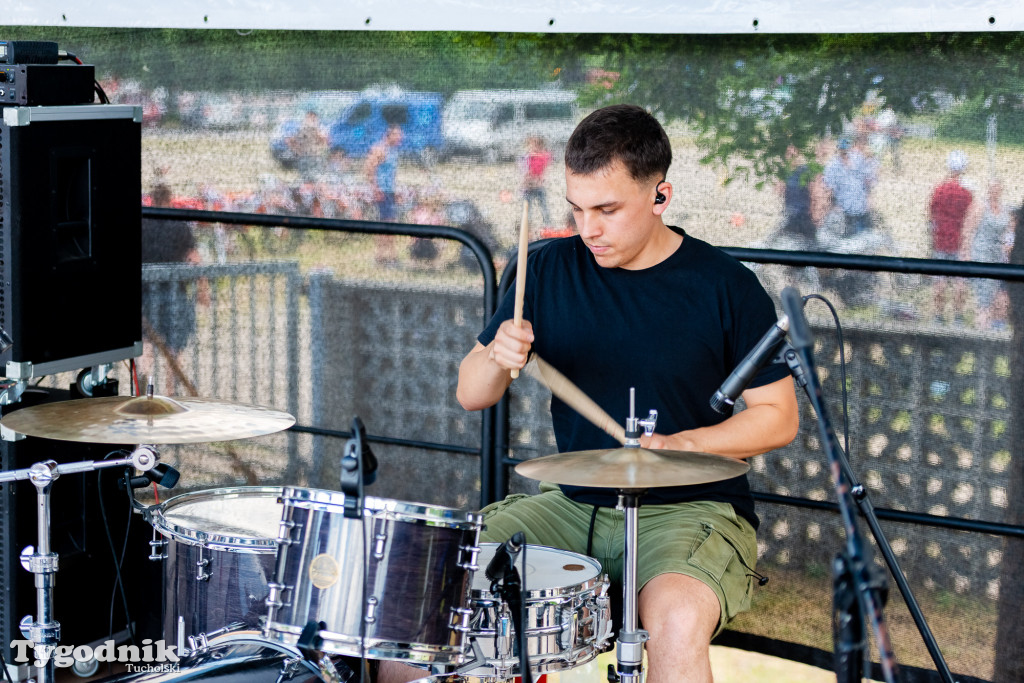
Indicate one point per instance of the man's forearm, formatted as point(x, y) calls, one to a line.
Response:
point(482, 382)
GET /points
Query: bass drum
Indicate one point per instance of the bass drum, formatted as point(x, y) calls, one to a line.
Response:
point(241, 657)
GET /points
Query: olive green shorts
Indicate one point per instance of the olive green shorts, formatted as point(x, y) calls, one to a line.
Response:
point(705, 540)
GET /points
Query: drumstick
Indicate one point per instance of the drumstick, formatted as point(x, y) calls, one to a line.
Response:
point(574, 397)
point(524, 248)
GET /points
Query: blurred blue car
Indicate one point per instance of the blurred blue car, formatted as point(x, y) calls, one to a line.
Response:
point(355, 122)
point(363, 124)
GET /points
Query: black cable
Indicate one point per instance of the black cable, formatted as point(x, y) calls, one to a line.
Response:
point(842, 368)
point(118, 583)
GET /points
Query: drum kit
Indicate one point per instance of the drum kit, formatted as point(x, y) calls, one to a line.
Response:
point(292, 583)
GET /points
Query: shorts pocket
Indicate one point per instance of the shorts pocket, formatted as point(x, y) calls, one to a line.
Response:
point(711, 553)
point(717, 555)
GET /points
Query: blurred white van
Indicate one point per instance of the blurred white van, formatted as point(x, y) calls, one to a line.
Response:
point(494, 124)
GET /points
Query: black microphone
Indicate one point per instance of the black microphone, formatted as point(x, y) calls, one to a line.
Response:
point(504, 557)
point(765, 350)
point(793, 304)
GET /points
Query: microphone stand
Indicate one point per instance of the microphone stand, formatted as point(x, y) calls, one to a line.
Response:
point(358, 467)
point(854, 489)
point(860, 589)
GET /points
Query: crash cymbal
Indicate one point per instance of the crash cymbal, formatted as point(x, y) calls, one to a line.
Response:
point(632, 468)
point(146, 420)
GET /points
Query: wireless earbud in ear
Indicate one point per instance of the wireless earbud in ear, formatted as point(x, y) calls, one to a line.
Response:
point(659, 198)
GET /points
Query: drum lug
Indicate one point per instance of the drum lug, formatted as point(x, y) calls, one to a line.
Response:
point(157, 546)
point(275, 598)
point(460, 619)
point(198, 644)
point(470, 565)
point(201, 564)
point(286, 531)
point(371, 609)
point(156, 550)
point(378, 547)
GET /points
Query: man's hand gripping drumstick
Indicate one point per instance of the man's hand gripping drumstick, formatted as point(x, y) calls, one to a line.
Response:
point(487, 371)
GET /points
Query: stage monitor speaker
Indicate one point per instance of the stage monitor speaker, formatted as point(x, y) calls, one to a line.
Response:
point(70, 237)
point(84, 592)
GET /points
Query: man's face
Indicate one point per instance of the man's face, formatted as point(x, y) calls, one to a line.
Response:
point(616, 216)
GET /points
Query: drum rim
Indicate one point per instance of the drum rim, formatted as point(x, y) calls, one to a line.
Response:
point(548, 592)
point(334, 501)
point(157, 518)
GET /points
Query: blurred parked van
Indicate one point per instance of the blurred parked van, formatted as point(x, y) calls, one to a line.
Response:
point(494, 124)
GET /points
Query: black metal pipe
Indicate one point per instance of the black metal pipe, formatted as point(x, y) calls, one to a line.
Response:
point(890, 264)
point(888, 514)
point(388, 440)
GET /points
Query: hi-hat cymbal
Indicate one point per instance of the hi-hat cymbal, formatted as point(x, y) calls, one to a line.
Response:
point(632, 468)
point(146, 420)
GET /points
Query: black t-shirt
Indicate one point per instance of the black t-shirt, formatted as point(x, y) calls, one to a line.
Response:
point(673, 331)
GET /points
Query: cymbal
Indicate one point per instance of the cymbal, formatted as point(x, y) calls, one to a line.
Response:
point(632, 468)
point(146, 420)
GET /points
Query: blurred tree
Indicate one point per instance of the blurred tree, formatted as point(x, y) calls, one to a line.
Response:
point(750, 97)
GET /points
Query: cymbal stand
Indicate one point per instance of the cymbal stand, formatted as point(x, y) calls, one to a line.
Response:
point(630, 643)
point(44, 630)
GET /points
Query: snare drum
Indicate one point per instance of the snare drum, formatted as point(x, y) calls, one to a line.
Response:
point(218, 550)
point(418, 561)
point(567, 614)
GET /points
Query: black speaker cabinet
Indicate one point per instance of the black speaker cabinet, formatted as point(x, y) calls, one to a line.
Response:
point(84, 583)
point(70, 237)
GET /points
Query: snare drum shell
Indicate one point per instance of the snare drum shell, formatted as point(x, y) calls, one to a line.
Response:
point(418, 577)
point(218, 559)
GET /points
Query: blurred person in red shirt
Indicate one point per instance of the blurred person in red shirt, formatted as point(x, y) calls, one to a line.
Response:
point(947, 212)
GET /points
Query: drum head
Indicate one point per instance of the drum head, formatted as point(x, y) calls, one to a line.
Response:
point(240, 519)
point(546, 569)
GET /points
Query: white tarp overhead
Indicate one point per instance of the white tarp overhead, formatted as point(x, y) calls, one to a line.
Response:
point(569, 16)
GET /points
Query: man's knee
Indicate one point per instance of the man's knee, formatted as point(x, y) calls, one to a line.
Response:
point(676, 606)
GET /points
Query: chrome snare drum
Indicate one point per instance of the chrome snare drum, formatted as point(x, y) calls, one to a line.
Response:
point(218, 558)
point(418, 561)
point(567, 614)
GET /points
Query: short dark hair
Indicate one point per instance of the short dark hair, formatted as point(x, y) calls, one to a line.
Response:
point(624, 133)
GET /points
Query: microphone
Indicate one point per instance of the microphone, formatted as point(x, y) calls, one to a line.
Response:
point(504, 557)
point(356, 446)
point(736, 382)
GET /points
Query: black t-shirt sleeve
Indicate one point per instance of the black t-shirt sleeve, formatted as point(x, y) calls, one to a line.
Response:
point(756, 315)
